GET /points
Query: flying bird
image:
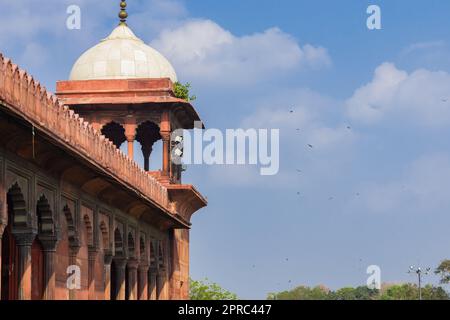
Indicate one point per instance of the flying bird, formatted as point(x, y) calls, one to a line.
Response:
point(311, 146)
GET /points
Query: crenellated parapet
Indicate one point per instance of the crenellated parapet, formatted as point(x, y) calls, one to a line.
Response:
point(22, 95)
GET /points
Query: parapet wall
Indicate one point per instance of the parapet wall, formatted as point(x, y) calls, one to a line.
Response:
point(24, 96)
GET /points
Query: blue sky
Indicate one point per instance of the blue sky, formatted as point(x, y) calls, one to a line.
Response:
point(372, 194)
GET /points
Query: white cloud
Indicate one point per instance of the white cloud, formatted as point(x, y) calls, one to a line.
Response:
point(422, 97)
point(422, 188)
point(203, 50)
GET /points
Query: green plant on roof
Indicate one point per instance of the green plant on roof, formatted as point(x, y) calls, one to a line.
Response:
point(182, 91)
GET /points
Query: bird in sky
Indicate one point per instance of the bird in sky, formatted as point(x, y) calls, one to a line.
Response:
point(311, 146)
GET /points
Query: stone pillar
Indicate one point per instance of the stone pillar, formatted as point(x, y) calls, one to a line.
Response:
point(24, 242)
point(166, 154)
point(143, 282)
point(107, 274)
point(132, 279)
point(120, 264)
point(165, 129)
point(49, 251)
point(73, 252)
point(91, 272)
point(130, 134)
point(152, 285)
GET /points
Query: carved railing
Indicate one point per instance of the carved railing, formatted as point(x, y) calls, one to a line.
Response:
point(27, 97)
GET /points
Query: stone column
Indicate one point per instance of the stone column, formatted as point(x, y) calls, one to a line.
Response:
point(107, 274)
point(130, 134)
point(24, 242)
point(92, 256)
point(73, 252)
point(166, 154)
point(143, 282)
point(132, 279)
point(49, 251)
point(120, 264)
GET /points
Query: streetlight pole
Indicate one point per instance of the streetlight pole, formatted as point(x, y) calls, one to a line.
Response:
point(420, 273)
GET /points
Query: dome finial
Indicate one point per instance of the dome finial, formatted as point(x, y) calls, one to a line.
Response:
point(123, 15)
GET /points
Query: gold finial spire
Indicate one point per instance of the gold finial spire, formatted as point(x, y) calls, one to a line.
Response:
point(123, 15)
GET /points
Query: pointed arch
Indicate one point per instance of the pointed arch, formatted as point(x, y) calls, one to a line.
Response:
point(89, 230)
point(147, 134)
point(114, 132)
point(46, 225)
point(118, 243)
point(142, 248)
point(131, 245)
point(18, 216)
point(105, 235)
point(71, 229)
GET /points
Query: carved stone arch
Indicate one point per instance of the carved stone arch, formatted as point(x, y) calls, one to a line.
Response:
point(142, 248)
point(104, 235)
point(89, 230)
point(19, 216)
point(71, 227)
point(161, 255)
point(114, 132)
point(131, 245)
point(153, 256)
point(118, 243)
point(46, 223)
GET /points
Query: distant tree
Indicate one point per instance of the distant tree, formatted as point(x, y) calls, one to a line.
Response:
point(444, 271)
point(301, 293)
point(389, 292)
point(205, 290)
point(409, 291)
point(358, 293)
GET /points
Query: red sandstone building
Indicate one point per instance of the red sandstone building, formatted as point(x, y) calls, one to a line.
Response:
point(69, 197)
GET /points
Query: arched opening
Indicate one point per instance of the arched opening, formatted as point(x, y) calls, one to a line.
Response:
point(118, 252)
point(45, 228)
point(131, 254)
point(105, 236)
point(147, 134)
point(89, 231)
point(71, 230)
point(17, 216)
point(114, 132)
point(118, 243)
point(141, 273)
point(9, 260)
point(45, 217)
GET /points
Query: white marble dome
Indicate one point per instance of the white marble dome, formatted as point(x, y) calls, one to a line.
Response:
point(122, 55)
